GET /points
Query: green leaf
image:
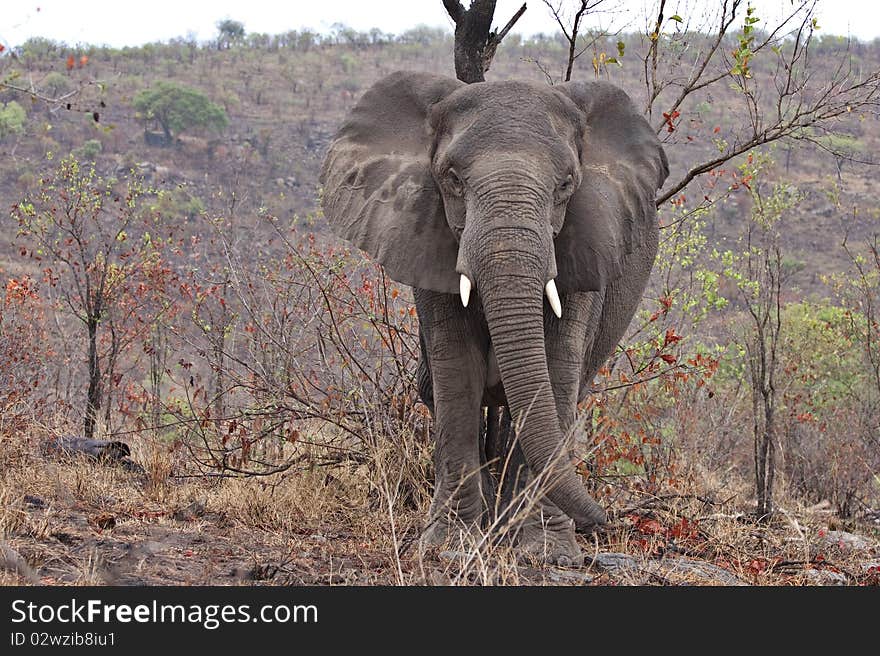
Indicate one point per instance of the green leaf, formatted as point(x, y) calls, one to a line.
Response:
point(621, 46)
point(676, 18)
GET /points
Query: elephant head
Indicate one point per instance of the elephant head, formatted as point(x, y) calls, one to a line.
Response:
point(513, 190)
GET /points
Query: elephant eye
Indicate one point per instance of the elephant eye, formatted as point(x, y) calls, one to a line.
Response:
point(456, 186)
point(565, 188)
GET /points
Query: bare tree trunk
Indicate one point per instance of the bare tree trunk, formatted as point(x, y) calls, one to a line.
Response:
point(93, 395)
point(765, 459)
point(110, 372)
point(475, 46)
point(763, 362)
point(219, 355)
point(158, 362)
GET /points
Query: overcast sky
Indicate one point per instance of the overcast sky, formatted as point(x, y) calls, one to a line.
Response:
point(123, 22)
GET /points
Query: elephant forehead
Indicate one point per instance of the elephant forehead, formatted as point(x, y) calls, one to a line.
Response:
point(508, 93)
point(509, 103)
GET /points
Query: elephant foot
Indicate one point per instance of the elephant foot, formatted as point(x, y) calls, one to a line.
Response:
point(550, 546)
point(548, 536)
point(451, 533)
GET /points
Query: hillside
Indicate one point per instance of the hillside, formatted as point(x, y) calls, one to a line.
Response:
point(286, 95)
point(262, 374)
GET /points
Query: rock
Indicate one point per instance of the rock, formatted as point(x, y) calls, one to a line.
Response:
point(613, 562)
point(569, 576)
point(190, 513)
point(689, 568)
point(871, 567)
point(11, 561)
point(825, 577)
point(131, 466)
point(105, 521)
point(452, 556)
point(677, 571)
point(34, 501)
point(844, 541)
point(138, 550)
point(437, 577)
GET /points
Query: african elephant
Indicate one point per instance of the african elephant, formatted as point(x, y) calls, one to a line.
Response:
point(523, 216)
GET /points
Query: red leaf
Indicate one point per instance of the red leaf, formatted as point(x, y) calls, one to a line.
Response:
point(667, 358)
point(71, 62)
point(671, 337)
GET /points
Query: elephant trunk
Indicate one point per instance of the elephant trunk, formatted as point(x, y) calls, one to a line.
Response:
point(510, 267)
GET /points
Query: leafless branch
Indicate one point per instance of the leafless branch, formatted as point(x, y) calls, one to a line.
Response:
point(455, 9)
point(653, 89)
point(586, 7)
point(495, 38)
point(801, 105)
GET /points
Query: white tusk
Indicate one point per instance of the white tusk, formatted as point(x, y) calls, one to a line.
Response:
point(464, 287)
point(553, 297)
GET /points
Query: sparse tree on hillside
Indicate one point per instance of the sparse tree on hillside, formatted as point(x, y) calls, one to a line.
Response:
point(231, 32)
point(98, 253)
point(177, 108)
point(12, 119)
point(55, 85)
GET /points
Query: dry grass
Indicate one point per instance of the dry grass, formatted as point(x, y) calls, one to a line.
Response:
point(81, 523)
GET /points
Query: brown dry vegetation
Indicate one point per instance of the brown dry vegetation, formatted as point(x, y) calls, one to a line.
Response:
point(76, 522)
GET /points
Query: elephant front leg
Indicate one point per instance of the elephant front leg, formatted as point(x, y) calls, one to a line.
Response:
point(458, 377)
point(547, 532)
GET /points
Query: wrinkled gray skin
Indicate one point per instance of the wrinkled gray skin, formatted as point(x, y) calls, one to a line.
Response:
point(511, 184)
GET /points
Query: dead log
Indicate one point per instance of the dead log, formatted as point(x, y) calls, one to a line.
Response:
point(108, 452)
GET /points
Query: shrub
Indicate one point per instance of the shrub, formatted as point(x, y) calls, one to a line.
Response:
point(12, 119)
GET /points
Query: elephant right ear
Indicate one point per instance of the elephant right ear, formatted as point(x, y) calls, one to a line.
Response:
point(379, 192)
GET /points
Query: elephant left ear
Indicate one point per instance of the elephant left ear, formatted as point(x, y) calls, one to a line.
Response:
point(613, 211)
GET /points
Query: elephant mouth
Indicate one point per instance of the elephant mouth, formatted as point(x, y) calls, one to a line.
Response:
point(550, 292)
